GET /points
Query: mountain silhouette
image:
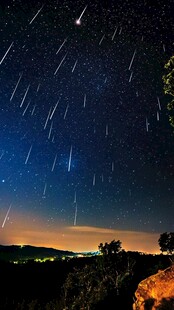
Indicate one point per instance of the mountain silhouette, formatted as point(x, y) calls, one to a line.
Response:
point(27, 252)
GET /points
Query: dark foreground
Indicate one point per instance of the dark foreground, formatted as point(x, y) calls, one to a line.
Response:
point(88, 283)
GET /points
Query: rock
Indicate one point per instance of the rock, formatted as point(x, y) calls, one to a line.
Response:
point(156, 291)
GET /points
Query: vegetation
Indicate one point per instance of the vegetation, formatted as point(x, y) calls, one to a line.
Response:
point(79, 283)
point(168, 80)
point(110, 248)
point(166, 242)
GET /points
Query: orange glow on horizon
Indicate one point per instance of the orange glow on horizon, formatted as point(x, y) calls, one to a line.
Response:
point(73, 238)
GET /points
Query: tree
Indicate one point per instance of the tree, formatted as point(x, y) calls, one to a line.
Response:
point(113, 247)
point(166, 242)
point(105, 279)
point(85, 287)
point(168, 80)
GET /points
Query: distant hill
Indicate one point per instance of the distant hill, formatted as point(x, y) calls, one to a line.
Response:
point(28, 252)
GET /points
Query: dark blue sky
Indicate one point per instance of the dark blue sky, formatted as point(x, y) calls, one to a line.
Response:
point(85, 137)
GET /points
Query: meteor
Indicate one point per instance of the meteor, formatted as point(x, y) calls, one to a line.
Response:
point(70, 156)
point(84, 101)
point(60, 63)
point(6, 217)
point(28, 154)
point(114, 33)
point(61, 46)
point(78, 21)
point(75, 214)
point(6, 53)
point(74, 66)
point(132, 60)
point(53, 166)
point(16, 86)
point(36, 14)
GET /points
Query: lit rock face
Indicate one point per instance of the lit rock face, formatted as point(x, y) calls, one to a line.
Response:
point(156, 292)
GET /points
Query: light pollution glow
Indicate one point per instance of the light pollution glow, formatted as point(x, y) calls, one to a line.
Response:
point(73, 238)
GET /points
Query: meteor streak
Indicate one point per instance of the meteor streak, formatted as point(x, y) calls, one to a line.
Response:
point(44, 191)
point(114, 33)
point(16, 87)
point(36, 14)
point(75, 203)
point(70, 156)
point(78, 21)
point(130, 78)
point(50, 131)
point(74, 66)
point(60, 63)
point(53, 166)
point(26, 108)
point(157, 115)
point(159, 104)
point(54, 109)
point(132, 60)
point(101, 39)
point(93, 182)
point(48, 116)
point(25, 96)
point(66, 111)
point(61, 46)
point(107, 131)
point(147, 125)
point(28, 155)
point(6, 217)
point(34, 107)
point(84, 101)
point(75, 215)
point(6, 53)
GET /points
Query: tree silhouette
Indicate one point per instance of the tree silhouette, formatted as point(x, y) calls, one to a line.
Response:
point(107, 277)
point(113, 247)
point(166, 242)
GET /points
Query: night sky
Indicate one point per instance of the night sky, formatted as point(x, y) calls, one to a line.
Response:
point(86, 148)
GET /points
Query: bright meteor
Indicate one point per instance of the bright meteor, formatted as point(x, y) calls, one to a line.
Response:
point(6, 217)
point(78, 21)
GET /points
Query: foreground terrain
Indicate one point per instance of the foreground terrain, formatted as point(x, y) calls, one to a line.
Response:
point(77, 282)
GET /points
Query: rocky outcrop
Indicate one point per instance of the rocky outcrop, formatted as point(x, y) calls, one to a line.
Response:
point(156, 291)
